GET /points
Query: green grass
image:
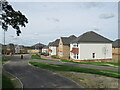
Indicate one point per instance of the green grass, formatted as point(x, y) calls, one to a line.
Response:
point(36, 56)
point(55, 57)
point(39, 57)
point(7, 83)
point(55, 67)
point(108, 64)
point(5, 60)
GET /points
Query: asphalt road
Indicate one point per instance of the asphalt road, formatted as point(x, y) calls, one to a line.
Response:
point(33, 77)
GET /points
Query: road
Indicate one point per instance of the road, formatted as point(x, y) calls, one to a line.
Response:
point(33, 77)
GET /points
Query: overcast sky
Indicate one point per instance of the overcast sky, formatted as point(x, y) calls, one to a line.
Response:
point(49, 21)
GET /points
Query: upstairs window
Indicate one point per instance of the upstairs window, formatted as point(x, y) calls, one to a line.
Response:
point(60, 45)
point(75, 45)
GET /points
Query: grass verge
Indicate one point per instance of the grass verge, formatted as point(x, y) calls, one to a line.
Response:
point(55, 67)
point(36, 56)
point(108, 64)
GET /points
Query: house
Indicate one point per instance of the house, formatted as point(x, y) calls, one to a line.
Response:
point(45, 49)
point(10, 48)
point(37, 48)
point(116, 51)
point(53, 48)
point(116, 46)
point(20, 49)
point(91, 46)
point(64, 46)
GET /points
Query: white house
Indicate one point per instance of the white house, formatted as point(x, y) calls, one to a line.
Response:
point(53, 48)
point(18, 48)
point(45, 49)
point(90, 46)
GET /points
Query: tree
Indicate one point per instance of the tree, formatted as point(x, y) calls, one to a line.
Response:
point(11, 17)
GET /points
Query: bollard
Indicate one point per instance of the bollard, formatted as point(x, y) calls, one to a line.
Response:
point(21, 56)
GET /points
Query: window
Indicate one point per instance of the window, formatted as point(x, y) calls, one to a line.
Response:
point(60, 45)
point(60, 53)
point(93, 55)
point(75, 45)
point(77, 56)
point(74, 56)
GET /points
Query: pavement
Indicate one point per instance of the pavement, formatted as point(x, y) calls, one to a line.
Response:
point(49, 57)
point(78, 65)
point(33, 77)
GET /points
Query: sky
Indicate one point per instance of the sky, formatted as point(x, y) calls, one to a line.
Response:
point(51, 20)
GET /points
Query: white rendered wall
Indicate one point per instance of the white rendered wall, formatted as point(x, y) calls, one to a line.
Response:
point(102, 51)
point(44, 50)
point(53, 48)
point(86, 50)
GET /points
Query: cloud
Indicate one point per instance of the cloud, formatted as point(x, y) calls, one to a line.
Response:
point(106, 16)
point(91, 4)
point(95, 28)
point(36, 33)
point(53, 19)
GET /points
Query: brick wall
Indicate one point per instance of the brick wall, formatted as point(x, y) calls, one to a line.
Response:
point(66, 52)
point(116, 54)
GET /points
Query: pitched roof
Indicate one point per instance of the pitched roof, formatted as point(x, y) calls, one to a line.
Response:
point(50, 43)
point(55, 43)
point(116, 43)
point(45, 47)
point(38, 46)
point(91, 37)
point(68, 40)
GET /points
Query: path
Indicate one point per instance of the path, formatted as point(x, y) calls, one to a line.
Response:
point(33, 77)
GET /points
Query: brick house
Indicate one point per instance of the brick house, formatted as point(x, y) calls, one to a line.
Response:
point(53, 48)
point(116, 47)
point(64, 46)
point(37, 48)
point(91, 46)
point(116, 50)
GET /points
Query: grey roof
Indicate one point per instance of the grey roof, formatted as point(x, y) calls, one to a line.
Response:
point(116, 43)
point(38, 46)
point(45, 47)
point(50, 43)
point(91, 37)
point(55, 43)
point(68, 40)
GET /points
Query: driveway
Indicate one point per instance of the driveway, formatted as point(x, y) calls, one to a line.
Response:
point(33, 77)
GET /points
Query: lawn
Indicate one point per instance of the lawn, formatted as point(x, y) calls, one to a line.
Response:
point(108, 64)
point(65, 68)
point(36, 56)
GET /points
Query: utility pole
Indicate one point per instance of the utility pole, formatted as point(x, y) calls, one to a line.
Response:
point(4, 42)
